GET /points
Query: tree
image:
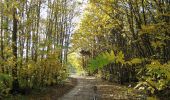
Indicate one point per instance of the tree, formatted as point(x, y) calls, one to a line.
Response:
point(34, 48)
point(136, 28)
point(14, 49)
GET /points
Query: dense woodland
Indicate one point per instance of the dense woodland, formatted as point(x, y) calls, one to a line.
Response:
point(34, 39)
point(122, 41)
point(127, 41)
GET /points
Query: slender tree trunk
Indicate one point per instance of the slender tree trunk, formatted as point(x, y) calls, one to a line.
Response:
point(15, 83)
point(1, 32)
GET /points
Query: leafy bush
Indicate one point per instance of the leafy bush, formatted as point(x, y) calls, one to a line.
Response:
point(157, 77)
point(154, 77)
point(42, 73)
point(102, 60)
point(32, 75)
point(5, 84)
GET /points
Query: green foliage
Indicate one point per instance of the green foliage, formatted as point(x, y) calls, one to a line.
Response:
point(34, 48)
point(157, 77)
point(104, 59)
point(101, 60)
point(120, 58)
point(5, 84)
point(74, 63)
point(136, 61)
point(142, 35)
point(44, 72)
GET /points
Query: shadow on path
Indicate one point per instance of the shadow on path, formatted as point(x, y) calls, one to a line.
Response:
point(91, 88)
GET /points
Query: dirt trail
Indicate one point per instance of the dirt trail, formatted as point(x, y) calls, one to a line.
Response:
point(90, 88)
point(83, 91)
point(83, 88)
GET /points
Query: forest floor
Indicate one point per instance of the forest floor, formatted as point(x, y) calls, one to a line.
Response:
point(90, 88)
point(48, 93)
point(84, 88)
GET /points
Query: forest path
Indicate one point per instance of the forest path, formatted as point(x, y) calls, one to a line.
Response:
point(91, 88)
point(84, 89)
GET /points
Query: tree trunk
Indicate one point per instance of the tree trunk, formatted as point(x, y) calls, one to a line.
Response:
point(15, 84)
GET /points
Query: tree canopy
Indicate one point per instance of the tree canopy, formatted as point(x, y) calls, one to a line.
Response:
point(125, 41)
